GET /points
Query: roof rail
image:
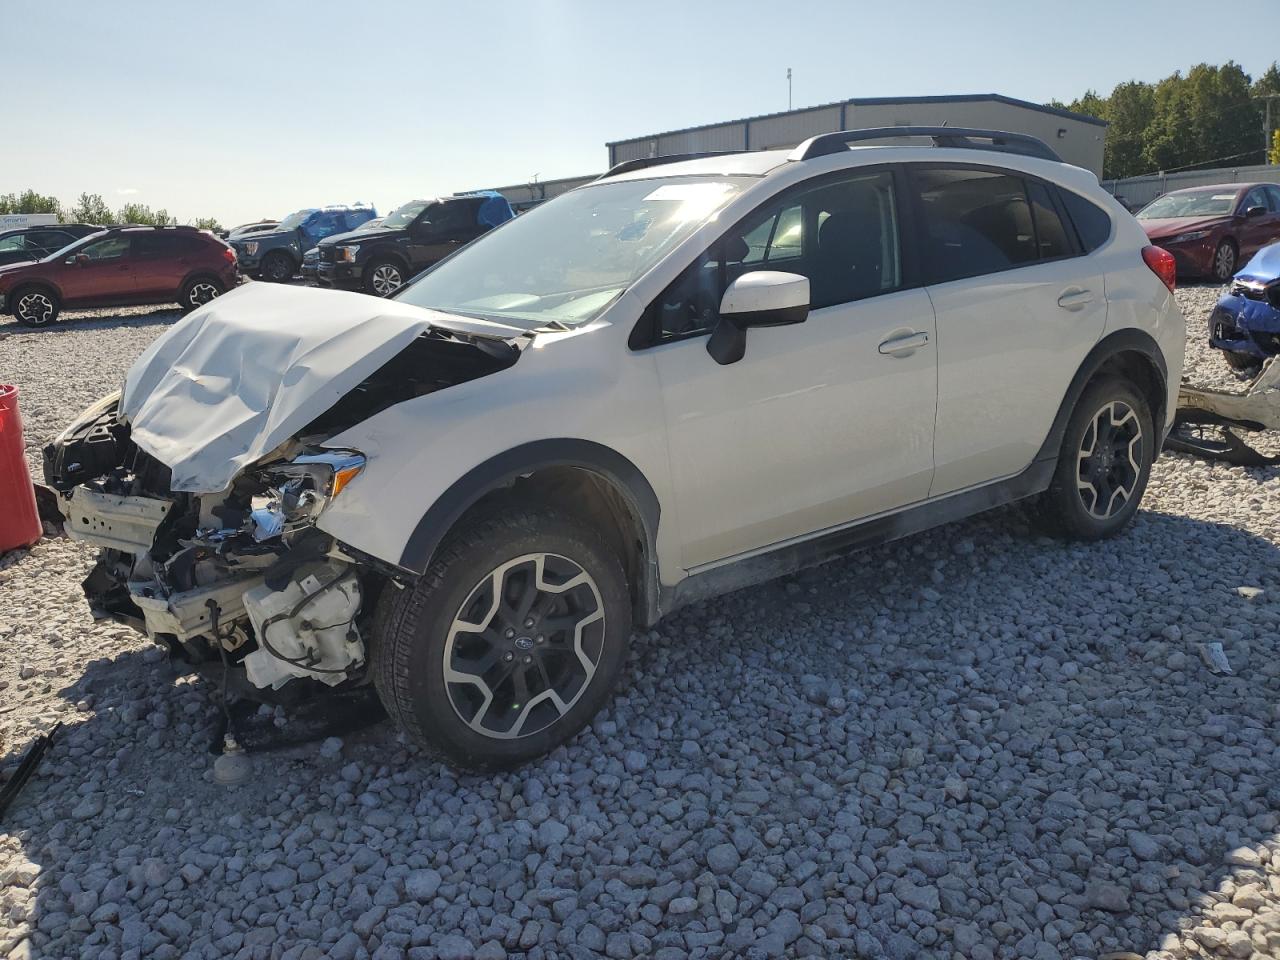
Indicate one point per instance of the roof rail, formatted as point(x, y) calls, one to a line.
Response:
point(640, 163)
point(1000, 141)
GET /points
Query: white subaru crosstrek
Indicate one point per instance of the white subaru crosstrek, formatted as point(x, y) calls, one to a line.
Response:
point(685, 377)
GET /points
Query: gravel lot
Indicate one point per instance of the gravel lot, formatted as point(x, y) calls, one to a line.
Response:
point(976, 743)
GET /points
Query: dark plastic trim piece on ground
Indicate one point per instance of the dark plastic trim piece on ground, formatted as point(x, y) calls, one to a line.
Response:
point(30, 761)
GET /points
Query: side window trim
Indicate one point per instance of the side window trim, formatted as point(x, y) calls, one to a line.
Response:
point(645, 334)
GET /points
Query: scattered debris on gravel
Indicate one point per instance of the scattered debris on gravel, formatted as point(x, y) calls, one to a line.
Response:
point(975, 743)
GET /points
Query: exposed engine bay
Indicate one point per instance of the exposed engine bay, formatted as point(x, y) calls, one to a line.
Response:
point(243, 578)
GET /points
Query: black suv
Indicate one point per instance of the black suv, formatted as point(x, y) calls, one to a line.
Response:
point(36, 243)
point(410, 239)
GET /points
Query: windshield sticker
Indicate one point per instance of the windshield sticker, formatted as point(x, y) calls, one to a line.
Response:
point(683, 192)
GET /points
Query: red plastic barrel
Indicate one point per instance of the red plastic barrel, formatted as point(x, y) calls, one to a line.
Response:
point(19, 522)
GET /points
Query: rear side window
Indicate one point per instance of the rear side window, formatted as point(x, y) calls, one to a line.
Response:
point(1092, 223)
point(975, 222)
point(1273, 194)
point(1051, 234)
point(153, 245)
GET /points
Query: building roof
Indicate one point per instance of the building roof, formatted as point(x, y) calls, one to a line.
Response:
point(880, 101)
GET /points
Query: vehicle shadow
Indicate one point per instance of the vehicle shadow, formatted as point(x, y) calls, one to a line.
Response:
point(974, 740)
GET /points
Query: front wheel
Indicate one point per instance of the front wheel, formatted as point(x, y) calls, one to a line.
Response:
point(1103, 465)
point(510, 642)
point(383, 278)
point(35, 307)
point(1241, 362)
point(1224, 261)
point(278, 267)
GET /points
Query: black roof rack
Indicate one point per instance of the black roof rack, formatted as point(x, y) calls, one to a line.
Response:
point(1000, 141)
point(640, 163)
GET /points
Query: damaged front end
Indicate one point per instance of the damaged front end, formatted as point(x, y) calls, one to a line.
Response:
point(242, 574)
point(242, 578)
point(1245, 322)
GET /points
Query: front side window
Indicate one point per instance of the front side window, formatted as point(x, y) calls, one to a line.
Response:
point(842, 235)
point(1257, 197)
point(109, 248)
point(17, 242)
point(566, 260)
point(973, 222)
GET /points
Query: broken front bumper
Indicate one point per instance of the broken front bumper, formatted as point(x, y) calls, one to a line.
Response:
point(1243, 324)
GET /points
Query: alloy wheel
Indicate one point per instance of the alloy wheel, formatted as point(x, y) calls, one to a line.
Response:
point(524, 646)
point(1224, 262)
point(202, 293)
point(386, 280)
point(1109, 460)
point(35, 309)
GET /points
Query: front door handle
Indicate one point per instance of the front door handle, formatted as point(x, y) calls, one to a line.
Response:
point(1075, 299)
point(904, 344)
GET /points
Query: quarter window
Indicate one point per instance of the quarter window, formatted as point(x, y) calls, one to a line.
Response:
point(842, 235)
point(1092, 223)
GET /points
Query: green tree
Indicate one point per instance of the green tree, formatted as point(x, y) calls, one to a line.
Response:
point(1130, 110)
point(29, 202)
point(141, 213)
point(91, 208)
point(207, 223)
point(1273, 155)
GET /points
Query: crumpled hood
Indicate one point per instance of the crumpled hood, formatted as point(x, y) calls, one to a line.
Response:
point(233, 380)
point(1264, 267)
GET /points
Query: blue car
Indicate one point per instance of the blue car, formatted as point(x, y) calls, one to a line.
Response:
point(1245, 324)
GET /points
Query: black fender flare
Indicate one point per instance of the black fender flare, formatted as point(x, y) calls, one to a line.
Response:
point(503, 469)
point(1122, 341)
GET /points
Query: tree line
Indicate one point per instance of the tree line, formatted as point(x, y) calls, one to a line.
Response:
point(1209, 117)
point(91, 208)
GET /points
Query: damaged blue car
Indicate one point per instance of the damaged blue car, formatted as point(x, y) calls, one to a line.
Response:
point(1245, 324)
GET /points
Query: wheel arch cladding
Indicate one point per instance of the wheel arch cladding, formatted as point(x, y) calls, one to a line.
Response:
point(582, 477)
point(1133, 354)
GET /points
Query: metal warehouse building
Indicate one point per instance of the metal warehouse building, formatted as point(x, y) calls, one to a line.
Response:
point(1077, 138)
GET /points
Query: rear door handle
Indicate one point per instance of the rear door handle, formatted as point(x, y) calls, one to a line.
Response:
point(904, 344)
point(1075, 299)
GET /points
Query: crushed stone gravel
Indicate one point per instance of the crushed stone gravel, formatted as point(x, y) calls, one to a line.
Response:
point(975, 743)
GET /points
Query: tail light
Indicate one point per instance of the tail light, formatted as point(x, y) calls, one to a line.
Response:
point(1162, 265)
point(228, 255)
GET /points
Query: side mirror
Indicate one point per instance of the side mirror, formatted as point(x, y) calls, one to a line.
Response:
point(764, 298)
point(1257, 211)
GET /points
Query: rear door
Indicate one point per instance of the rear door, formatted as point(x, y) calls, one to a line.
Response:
point(1258, 231)
point(101, 271)
point(1018, 308)
point(161, 261)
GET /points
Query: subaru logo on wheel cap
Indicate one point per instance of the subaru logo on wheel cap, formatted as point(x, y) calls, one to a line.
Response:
point(524, 643)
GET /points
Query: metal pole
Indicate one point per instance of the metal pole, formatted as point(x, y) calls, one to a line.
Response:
point(789, 90)
point(1266, 134)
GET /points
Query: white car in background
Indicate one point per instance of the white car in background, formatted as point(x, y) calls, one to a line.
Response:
point(686, 377)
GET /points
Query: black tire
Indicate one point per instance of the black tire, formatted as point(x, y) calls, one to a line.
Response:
point(1224, 261)
point(414, 635)
point(35, 306)
point(1067, 510)
point(198, 291)
point(278, 267)
point(384, 276)
point(1242, 362)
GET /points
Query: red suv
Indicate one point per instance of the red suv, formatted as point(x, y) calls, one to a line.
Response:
point(120, 266)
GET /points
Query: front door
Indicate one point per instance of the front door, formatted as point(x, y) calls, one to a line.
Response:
point(440, 230)
point(99, 272)
point(820, 423)
point(1018, 308)
point(1259, 230)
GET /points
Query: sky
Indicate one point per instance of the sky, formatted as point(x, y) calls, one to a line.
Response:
point(243, 110)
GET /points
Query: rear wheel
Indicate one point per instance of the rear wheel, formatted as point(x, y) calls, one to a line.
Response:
point(35, 306)
point(382, 278)
point(1224, 261)
point(1103, 465)
point(196, 293)
point(511, 641)
point(278, 267)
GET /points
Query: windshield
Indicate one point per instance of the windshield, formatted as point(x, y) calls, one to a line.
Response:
point(568, 259)
point(293, 220)
point(1192, 203)
point(403, 216)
